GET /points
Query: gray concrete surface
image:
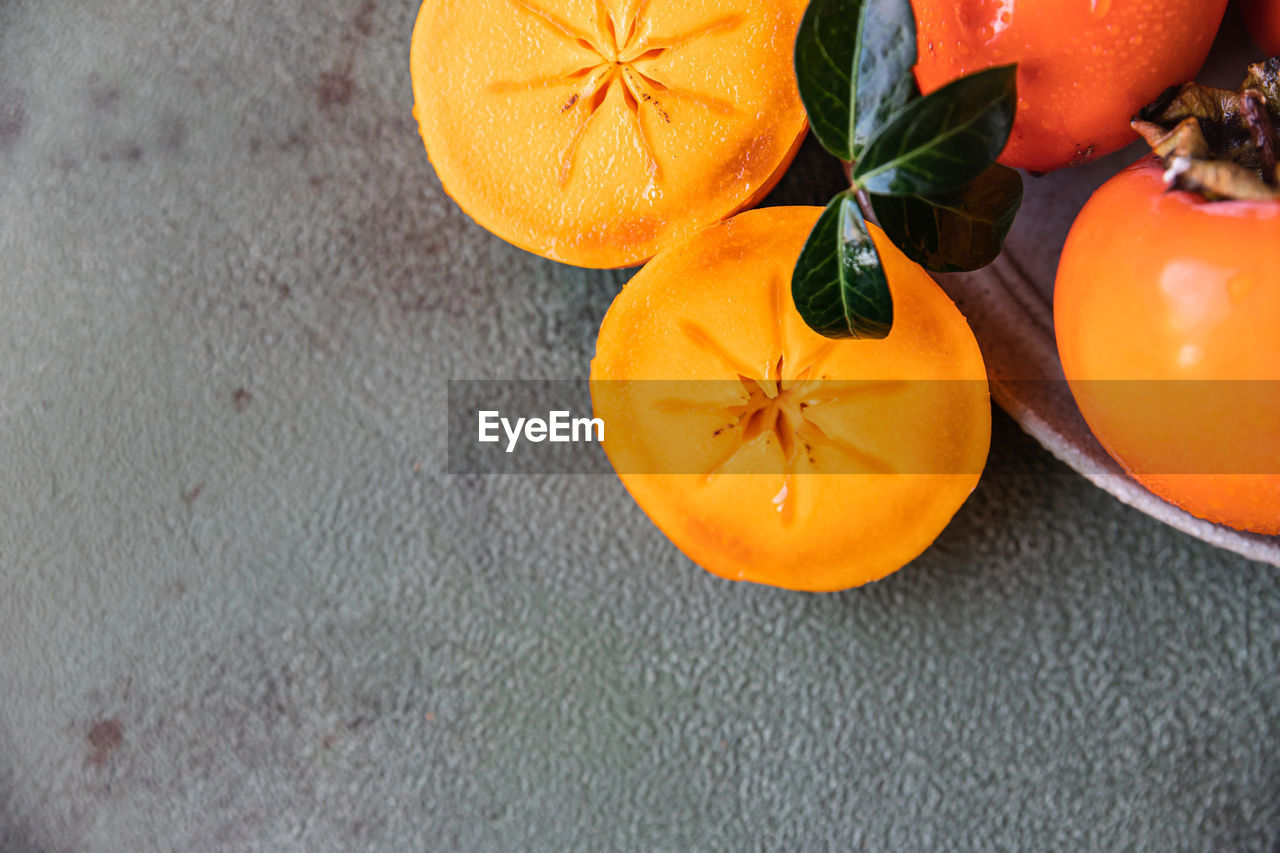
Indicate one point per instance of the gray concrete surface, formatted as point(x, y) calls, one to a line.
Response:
point(243, 608)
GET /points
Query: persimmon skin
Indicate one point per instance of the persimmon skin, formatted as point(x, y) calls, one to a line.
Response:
point(1156, 285)
point(919, 404)
point(1263, 19)
point(1085, 67)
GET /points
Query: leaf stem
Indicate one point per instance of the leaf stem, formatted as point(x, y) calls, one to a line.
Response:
point(864, 202)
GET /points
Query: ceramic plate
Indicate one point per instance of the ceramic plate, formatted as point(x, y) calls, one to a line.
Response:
point(1010, 306)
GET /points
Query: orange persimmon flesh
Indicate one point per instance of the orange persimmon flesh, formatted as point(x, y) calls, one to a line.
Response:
point(595, 133)
point(769, 453)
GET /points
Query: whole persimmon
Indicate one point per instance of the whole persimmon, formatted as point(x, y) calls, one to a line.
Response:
point(1085, 67)
point(771, 454)
point(594, 132)
point(1166, 309)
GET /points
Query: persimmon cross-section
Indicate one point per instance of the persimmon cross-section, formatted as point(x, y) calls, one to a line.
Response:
point(622, 52)
point(778, 406)
point(596, 132)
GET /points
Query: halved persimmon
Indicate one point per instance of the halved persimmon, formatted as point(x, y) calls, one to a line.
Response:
point(595, 132)
point(767, 452)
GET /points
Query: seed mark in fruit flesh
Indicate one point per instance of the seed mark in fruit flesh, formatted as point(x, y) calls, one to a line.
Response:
point(631, 96)
point(560, 26)
point(778, 289)
point(703, 340)
point(819, 356)
point(619, 44)
point(632, 79)
point(506, 87)
point(836, 391)
point(777, 407)
point(588, 103)
point(874, 464)
point(719, 25)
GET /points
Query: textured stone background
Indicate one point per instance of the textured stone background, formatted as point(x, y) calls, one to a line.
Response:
point(242, 608)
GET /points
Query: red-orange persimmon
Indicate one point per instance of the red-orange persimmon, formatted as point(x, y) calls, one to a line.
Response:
point(1085, 67)
point(1166, 310)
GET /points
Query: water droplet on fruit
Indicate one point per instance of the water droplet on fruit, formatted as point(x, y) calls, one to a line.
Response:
point(1099, 8)
point(1002, 16)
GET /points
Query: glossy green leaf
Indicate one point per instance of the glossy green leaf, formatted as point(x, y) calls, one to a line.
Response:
point(887, 54)
point(853, 77)
point(826, 62)
point(839, 286)
point(942, 141)
point(956, 231)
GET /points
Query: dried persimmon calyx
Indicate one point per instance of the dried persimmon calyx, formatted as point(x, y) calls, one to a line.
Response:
point(1220, 143)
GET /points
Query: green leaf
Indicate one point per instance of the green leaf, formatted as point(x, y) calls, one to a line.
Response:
point(839, 286)
point(944, 140)
point(886, 83)
point(852, 77)
point(957, 231)
point(826, 59)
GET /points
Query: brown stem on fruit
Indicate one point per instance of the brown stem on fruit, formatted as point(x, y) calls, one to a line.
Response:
point(1265, 78)
point(1254, 107)
point(1217, 180)
point(1216, 142)
point(1185, 140)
